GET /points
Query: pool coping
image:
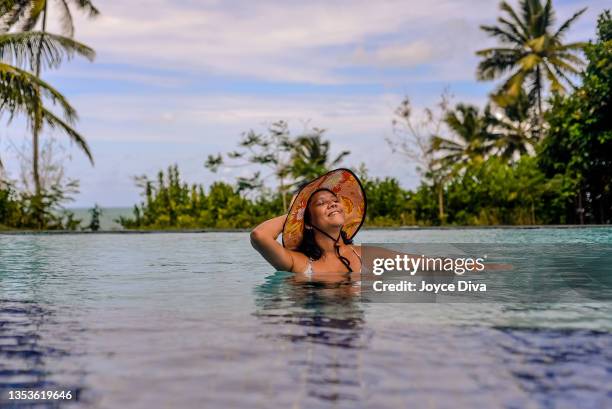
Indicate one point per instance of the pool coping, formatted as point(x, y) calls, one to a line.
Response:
point(212, 230)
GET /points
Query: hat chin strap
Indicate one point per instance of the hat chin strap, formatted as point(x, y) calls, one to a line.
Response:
point(343, 260)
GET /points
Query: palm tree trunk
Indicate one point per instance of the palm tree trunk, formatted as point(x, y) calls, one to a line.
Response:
point(36, 128)
point(282, 190)
point(602, 198)
point(279, 172)
point(539, 95)
point(441, 202)
point(580, 206)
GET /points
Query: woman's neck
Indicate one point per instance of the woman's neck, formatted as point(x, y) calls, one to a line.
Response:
point(327, 244)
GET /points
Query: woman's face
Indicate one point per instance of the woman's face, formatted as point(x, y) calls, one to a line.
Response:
point(326, 210)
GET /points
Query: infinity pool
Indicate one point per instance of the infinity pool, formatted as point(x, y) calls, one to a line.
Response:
point(201, 321)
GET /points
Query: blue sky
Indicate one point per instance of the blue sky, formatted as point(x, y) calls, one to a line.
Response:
point(176, 80)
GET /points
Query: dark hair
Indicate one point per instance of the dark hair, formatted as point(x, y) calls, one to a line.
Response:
point(309, 245)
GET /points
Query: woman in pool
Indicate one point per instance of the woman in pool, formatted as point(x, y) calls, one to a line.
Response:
point(318, 230)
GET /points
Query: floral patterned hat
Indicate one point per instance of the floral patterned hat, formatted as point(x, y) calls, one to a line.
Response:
point(345, 184)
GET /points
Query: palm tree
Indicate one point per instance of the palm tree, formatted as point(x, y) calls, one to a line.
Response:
point(471, 140)
point(26, 15)
point(512, 128)
point(531, 51)
point(311, 157)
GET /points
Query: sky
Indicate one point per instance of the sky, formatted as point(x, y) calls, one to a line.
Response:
point(176, 80)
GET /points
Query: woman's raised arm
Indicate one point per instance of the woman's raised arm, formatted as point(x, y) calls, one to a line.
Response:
point(263, 239)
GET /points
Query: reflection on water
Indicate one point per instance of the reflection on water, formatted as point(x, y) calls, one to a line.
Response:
point(25, 351)
point(344, 357)
point(570, 368)
point(37, 340)
point(326, 323)
point(22, 363)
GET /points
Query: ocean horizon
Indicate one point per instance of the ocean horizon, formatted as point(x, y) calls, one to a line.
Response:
point(107, 218)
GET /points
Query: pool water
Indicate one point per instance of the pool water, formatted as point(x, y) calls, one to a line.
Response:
point(201, 321)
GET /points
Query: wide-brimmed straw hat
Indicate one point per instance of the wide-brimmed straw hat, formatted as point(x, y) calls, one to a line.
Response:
point(345, 184)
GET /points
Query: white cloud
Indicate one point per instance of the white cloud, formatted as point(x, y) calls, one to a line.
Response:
point(94, 72)
point(275, 41)
point(398, 55)
point(212, 117)
point(307, 42)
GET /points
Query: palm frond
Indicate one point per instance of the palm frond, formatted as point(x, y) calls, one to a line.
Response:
point(562, 65)
point(23, 92)
point(66, 18)
point(54, 122)
point(571, 58)
point(32, 13)
point(18, 90)
point(566, 25)
point(555, 84)
point(527, 13)
point(578, 46)
point(6, 6)
point(88, 7)
point(498, 50)
point(514, 84)
point(26, 14)
point(547, 17)
point(503, 35)
point(538, 44)
point(529, 62)
point(564, 76)
point(11, 11)
point(340, 157)
point(439, 143)
point(22, 49)
point(521, 38)
point(504, 6)
point(497, 63)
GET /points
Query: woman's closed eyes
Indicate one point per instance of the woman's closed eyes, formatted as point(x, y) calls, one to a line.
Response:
point(326, 202)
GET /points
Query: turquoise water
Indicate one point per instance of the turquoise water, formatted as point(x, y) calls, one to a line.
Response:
point(200, 320)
